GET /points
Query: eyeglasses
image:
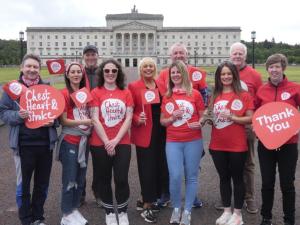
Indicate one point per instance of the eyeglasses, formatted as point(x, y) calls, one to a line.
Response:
point(108, 70)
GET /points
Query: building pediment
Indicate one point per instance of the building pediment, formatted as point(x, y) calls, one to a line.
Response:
point(134, 26)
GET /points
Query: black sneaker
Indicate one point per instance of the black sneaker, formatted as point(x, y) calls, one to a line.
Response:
point(155, 207)
point(149, 216)
point(266, 222)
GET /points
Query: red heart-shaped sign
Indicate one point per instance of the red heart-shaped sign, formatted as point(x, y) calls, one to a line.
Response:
point(275, 123)
point(44, 103)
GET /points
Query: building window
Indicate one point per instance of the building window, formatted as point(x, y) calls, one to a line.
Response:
point(219, 36)
point(56, 44)
point(180, 37)
point(134, 62)
point(126, 62)
point(41, 44)
point(65, 54)
point(211, 53)
point(166, 43)
point(203, 44)
point(41, 37)
point(87, 36)
point(157, 43)
point(219, 53)
point(103, 43)
point(64, 36)
point(80, 36)
point(72, 44)
point(204, 36)
point(80, 43)
point(157, 36)
point(48, 53)
point(166, 36)
point(189, 44)
point(226, 36)
point(189, 37)
point(103, 37)
point(227, 43)
point(56, 36)
point(212, 43)
point(48, 36)
point(111, 37)
point(234, 36)
point(72, 36)
point(48, 44)
point(64, 44)
point(111, 43)
point(196, 36)
point(196, 43)
point(88, 43)
point(95, 37)
point(32, 37)
point(119, 44)
point(173, 36)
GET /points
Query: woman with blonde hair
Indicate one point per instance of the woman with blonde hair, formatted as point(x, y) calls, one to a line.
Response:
point(181, 112)
point(149, 137)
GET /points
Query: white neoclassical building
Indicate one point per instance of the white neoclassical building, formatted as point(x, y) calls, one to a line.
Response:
point(129, 37)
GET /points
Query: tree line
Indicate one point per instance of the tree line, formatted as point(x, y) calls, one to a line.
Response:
point(10, 51)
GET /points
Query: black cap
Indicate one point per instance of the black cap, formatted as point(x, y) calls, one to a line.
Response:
point(90, 48)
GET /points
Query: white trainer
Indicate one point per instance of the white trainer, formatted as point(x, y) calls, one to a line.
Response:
point(224, 218)
point(111, 219)
point(79, 217)
point(123, 219)
point(69, 220)
point(235, 219)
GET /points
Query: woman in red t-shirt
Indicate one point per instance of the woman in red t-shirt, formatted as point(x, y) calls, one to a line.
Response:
point(232, 109)
point(110, 142)
point(72, 145)
point(181, 111)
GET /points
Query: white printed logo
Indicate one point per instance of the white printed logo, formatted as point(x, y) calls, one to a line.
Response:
point(15, 88)
point(169, 107)
point(81, 114)
point(149, 96)
point(196, 76)
point(236, 104)
point(188, 111)
point(221, 122)
point(113, 111)
point(285, 96)
point(55, 66)
point(244, 86)
point(81, 96)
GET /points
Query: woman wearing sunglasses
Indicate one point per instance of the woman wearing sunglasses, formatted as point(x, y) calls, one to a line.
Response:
point(112, 109)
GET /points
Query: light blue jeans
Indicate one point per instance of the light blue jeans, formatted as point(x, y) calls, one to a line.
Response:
point(184, 157)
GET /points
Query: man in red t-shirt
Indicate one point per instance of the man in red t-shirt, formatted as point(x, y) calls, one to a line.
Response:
point(197, 76)
point(251, 80)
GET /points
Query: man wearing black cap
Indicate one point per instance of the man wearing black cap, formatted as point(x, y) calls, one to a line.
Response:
point(90, 57)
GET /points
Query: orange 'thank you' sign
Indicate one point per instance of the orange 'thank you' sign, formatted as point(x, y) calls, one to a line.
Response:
point(44, 103)
point(275, 123)
point(150, 96)
point(14, 89)
point(56, 66)
point(81, 97)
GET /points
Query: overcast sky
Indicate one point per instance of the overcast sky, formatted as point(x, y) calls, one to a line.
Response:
point(278, 19)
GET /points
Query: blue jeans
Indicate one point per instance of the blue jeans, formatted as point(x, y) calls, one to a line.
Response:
point(73, 177)
point(184, 156)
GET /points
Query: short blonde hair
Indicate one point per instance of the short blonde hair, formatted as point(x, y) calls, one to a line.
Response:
point(148, 60)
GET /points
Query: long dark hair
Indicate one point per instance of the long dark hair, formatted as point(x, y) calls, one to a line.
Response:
point(68, 83)
point(236, 83)
point(120, 81)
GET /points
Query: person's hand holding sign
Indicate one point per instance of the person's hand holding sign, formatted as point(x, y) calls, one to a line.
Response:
point(23, 113)
point(226, 114)
point(142, 118)
point(177, 114)
point(194, 125)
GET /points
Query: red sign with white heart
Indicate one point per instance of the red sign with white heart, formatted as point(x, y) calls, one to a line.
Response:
point(150, 96)
point(14, 89)
point(44, 103)
point(56, 66)
point(275, 123)
point(81, 97)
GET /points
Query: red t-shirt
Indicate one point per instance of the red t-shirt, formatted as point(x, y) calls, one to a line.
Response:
point(227, 135)
point(112, 112)
point(179, 130)
point(197, 77)
point(250, 79)
point(74, 113)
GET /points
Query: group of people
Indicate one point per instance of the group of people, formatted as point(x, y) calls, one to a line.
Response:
point(167, 136)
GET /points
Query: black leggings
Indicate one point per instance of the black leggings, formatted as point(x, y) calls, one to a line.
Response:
point(119, 165)
point(230, 165)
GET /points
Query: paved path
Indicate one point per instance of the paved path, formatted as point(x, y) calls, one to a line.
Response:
point(208, 190)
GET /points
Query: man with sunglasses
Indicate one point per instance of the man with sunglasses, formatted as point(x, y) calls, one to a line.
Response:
point(90, 58)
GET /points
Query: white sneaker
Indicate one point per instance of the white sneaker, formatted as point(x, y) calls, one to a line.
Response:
point(111, 219)
point(235, 220)
point(224, 218)
point(69, 220)
point(123, 219)
point(79, 217)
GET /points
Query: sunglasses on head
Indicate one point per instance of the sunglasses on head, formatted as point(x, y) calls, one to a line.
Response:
point(112, 70)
